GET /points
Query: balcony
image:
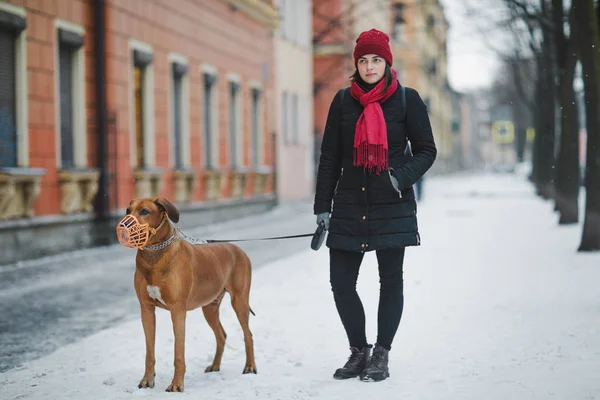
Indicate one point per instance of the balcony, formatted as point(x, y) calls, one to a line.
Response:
point(148, 182)
point(260, 10)
point(78, 189)
point(184, 182)
point(19, 189)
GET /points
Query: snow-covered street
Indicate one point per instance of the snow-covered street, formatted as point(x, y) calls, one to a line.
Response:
point(498, 305)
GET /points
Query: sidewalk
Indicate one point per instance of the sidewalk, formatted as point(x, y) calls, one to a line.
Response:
point(498, 305)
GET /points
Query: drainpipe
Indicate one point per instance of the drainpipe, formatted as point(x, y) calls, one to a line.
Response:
point(102, 203)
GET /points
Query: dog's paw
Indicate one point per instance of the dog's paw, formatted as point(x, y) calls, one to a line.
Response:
point(212, 368)
point(146, 383)
point(250, 369)
point(175, 387)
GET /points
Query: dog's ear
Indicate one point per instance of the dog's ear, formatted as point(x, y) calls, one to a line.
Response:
point(171, 210)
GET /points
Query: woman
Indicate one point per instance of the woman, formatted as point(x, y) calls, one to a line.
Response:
point(364, 170)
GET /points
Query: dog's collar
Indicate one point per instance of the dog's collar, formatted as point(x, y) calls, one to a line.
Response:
point(162, 245)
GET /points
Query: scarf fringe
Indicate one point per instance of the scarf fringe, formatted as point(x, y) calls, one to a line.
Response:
point(372, 157)
point(370, 136)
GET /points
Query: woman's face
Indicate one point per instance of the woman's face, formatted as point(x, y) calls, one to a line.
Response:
point(371, 68)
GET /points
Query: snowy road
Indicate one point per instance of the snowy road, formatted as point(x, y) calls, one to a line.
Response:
point(498, 305)
point(50, 302)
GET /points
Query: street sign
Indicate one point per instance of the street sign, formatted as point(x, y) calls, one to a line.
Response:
point(503, 132)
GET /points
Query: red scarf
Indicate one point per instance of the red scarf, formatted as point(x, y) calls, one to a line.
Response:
point(370, 138)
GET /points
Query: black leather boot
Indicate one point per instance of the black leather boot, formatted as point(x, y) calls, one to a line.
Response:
point(356, 363)
point(377, 368)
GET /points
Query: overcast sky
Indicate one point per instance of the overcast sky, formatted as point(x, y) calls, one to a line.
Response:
point(471, 63)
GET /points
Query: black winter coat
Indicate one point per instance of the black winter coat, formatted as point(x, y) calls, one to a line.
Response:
point(367, 211)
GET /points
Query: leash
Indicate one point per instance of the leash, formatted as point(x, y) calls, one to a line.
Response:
point(195, 240)
point(317, 238)
point(266, 238)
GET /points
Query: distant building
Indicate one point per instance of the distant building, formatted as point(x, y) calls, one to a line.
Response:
point(294, 101)
point(419, 35)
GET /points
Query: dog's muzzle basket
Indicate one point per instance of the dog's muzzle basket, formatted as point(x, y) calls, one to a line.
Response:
point(131, 233)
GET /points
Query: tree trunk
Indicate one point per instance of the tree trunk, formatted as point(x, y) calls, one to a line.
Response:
point(545, 134)
point(567, 174)
point(523, 107)
point(519, 111)
point(538, 123)
point(586, 28)
point(567, 168)
point(546, 115)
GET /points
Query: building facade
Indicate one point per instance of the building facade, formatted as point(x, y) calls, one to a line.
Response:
point(419, 34)
point(332, 52)
point(103, 101)
point(294, 101)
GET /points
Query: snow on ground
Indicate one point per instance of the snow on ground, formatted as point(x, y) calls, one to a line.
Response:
point(498, 305)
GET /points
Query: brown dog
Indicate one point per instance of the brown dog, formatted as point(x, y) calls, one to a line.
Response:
point(181, 277)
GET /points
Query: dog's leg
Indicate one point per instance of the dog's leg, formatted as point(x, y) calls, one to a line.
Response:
point(211, 313)
point(242, 310)
point(149, 324)
point(178, 317)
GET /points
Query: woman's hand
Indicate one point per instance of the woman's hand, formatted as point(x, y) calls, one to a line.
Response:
point(324, 218)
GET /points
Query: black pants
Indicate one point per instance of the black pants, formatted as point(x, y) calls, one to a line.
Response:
point(344, 267)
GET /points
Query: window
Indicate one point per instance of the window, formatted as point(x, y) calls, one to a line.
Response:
point(433, 67)
point(284, 118)
point(289, 17)
point(305, 24)
point(257, 131)
point(235, 123)
point(8, 132)
point(179, 115)
point(210, 117)
point(65, 69)
point(290, 118)
point(13, 90)
point(399, 13)
point(282, 19)
point(71, 95)
point(398, 33)
point(139, 115)
point(142, 100)
point(295, 21)
point(294, 110)
point(430, 21)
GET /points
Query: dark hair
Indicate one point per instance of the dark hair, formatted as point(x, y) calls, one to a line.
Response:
point(387, 77)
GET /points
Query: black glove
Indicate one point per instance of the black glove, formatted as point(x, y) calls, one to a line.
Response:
point(323, 218)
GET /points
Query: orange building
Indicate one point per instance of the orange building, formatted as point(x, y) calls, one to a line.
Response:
point(102, 101)
point(332, 48)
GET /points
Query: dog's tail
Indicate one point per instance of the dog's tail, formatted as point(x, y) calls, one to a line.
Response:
point(252, 311)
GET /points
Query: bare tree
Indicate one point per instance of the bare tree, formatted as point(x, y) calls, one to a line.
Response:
point(587, 31)
point(536, 18)
point(567, 172)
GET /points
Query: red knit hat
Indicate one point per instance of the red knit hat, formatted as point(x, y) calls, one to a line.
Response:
point(373, 42)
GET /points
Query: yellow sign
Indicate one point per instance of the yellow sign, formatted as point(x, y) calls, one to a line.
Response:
point(530, 134)
point(503, 132)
